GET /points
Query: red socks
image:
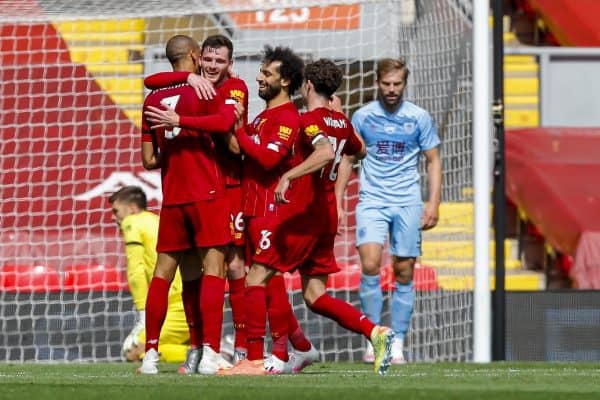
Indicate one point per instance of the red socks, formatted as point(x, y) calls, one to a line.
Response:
point(344, 314)
point(256, 321)
point(156, 310)
point(237, 288)
point(191, 306)
point(278, 310)
point(282, 321)
point(212, 298)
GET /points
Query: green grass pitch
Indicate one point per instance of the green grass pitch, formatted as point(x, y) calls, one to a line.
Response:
point(331, 381)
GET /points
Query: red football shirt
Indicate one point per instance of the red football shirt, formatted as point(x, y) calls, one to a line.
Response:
point(188, 162)
point(276, 130)
point(231, 164)
point(323, 122)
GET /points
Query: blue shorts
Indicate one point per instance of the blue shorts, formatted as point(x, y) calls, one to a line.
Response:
point(402, 224)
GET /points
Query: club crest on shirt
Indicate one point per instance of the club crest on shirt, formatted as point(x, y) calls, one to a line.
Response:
point(389, 128)
point(409, 127)
point(284, 132)
point(237, 95)
point(311, 130)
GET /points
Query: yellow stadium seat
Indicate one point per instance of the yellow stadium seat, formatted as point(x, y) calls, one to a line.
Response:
point(106, 54)
point(513, 282)
point(116, 69)
point(122, 85)
point(521, 86)
point(460, 249)
point(521, 118)
point(102, 25)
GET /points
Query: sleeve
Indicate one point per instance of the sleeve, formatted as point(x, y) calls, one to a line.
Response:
point(357, 123)
point(353, 145)
point(147, 134)
point(428, 136)
point(267, 157)
point(220, 117)
point(162, 79)
point(278, 141)
point(238, 91)
point(134, 249)
point(312, 129)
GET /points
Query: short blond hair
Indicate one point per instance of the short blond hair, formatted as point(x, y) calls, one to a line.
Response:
point(386, 65)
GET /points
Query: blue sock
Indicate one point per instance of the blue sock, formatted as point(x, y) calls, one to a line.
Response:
point(403, 301)
point(371, 298)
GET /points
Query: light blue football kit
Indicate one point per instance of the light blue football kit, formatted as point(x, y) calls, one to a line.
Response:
point(390, 202)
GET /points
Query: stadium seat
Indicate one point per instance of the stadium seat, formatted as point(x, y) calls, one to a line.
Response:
point(29, 278)
point(347, 279)
point(82, 277)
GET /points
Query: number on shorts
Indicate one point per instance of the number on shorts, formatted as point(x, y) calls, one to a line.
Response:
point(265, 242)
point(238, 221)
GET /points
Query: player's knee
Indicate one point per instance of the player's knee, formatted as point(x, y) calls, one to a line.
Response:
point(236, 269)
point(371, 266)
point(403, 269)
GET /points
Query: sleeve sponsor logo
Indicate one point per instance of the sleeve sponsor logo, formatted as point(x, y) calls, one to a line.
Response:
point(311, 130)
point(236, 95)
point(284, 132)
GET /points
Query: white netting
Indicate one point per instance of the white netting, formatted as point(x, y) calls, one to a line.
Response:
point(70, 106)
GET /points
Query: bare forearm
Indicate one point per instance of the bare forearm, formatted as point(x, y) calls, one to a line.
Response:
point(317, 160)
point(343, 177)
point(434, 176)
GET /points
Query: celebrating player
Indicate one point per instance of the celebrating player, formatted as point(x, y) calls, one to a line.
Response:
point(283, 323)
point(326, 136)
point(216, 62)
point(194, 212)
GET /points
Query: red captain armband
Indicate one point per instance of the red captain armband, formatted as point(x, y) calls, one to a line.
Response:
point(164, 79)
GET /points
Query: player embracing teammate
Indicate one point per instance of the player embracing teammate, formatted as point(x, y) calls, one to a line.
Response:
point(290, 171)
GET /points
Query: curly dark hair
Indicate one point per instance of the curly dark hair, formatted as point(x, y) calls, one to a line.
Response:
point(292, 66)
point(324, 75)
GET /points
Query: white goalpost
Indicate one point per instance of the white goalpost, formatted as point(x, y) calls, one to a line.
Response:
point(71, 95)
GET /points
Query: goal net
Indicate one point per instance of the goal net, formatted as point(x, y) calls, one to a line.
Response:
point(72, 89)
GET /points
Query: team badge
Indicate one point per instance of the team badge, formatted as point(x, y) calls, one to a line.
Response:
point(389, 128)
point(409, 127)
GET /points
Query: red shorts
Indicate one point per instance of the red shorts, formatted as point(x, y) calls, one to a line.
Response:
point(237, 224)
point(199, 224)
point(283, 248)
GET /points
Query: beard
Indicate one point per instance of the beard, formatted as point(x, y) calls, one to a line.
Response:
point(390, 102)
point(269, 92)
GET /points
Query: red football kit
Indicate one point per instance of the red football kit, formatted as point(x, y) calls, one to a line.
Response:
point(270, 146)
point(189, 170)
point(230, 164)
point(316, 232)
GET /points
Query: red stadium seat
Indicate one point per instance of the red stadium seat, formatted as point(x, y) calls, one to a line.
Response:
point(347, 279)
point(425, 278)
point(81, 278)
point(29, 278)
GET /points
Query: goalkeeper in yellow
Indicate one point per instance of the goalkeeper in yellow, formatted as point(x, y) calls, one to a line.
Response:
point(140, 229)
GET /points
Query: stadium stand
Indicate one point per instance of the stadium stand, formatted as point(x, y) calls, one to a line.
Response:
point(551, 177)
point(29, 279)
